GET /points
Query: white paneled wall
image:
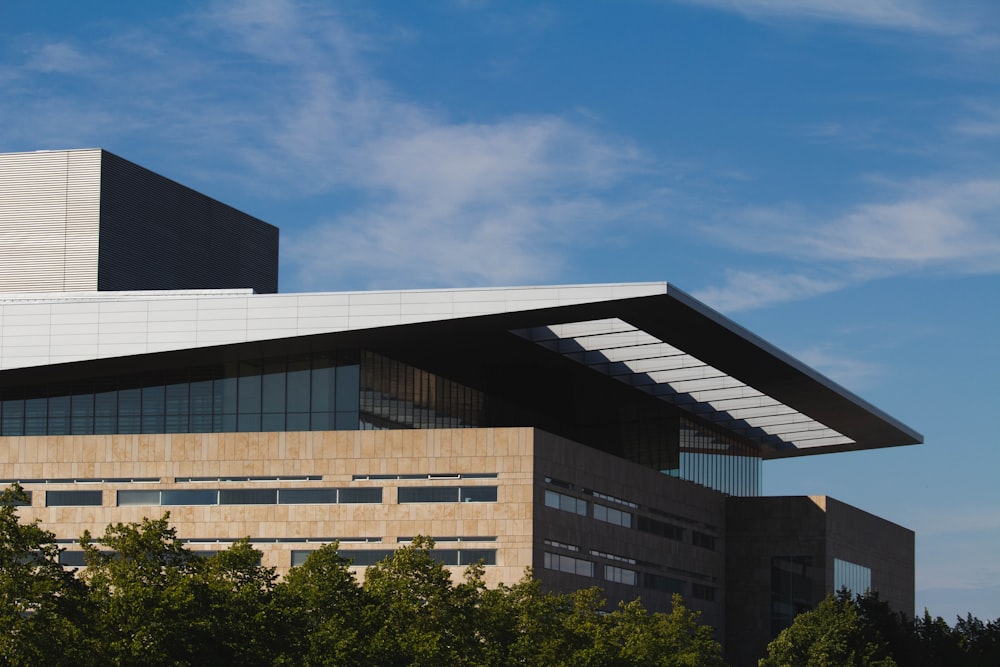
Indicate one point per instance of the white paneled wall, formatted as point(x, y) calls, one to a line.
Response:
point(49, 220)
point(47, 328)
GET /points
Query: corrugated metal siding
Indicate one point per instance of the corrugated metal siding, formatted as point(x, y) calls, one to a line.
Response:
point(158, 234)
point(49, 220)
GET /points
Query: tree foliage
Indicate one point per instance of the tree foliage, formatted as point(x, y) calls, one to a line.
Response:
point(865, 631)
point(146, 599)
point(40, 602)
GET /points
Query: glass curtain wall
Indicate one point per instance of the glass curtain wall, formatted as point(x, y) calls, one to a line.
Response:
point(396, 395)
point(311, 392)
point(718, 460)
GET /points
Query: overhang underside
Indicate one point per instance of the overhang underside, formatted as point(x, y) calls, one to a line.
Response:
point(676, 349)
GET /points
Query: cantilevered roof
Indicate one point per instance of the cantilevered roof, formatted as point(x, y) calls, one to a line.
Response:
point(649, 336)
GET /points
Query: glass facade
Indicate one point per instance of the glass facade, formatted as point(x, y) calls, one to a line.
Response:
point(793, 583)
point(855, 578)
point(348, 390)
point(718, 460)
point(396, 395)
point(314, 392)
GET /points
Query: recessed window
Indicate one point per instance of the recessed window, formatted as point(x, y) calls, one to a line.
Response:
point(73, 498)
point(561, 501)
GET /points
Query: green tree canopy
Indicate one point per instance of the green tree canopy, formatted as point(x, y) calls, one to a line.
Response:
point(40, 602)
point(834, 634)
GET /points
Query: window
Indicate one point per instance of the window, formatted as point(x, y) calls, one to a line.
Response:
point(318, 496)
point(561, 501)
point(307, 496)
point(660, 528)
point(568, 564)
point(304, 392)
point(21, 503)
point(703, 592)
point(703, 540)
point(619, 575)
point(194, 497)
point(663, 584)
point(447, 494)
point(855, 578)
point(428, 494)
point(612, 516)
point(248, 496)
point(127, 498)
point(362, 495)
point(73, 499)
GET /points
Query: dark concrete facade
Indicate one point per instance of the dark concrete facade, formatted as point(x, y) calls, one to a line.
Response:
point(156, 234)
point(800, 537)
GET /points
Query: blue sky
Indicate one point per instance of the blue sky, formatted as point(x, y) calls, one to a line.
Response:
point(825, 172)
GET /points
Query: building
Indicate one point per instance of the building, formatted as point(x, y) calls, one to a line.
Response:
point(599, 434)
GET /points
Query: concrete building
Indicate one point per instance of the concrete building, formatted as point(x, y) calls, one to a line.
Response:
point(605, 435)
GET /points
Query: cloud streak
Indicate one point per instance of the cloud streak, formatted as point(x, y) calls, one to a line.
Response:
point(901, 15)
point(930, 227)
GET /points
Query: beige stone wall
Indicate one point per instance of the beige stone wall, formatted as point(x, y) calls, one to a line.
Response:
point(522, 459)
point(335, 456)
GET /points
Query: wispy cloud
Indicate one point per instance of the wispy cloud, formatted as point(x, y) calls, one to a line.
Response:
point(61, 58)
point(928, 223)
point(749, 290)
point(926, 226)
point(479, 203)
point(843, 368)
point(905, 15)
point(983, 121)
point(287, 91)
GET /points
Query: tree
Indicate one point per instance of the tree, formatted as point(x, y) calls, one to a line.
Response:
point(40, 602)
point(142, 604)
point(834, 634)
point(152, 601)
point(234, 594)
point(676, 639)
point(414, 615)
point(321, 604)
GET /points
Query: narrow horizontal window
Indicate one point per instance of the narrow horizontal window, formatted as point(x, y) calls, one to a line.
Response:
point(619, 575)
point(190, 497)
point(663, 584)
point(703, 592)
point(21, 503)
point(470, 556)
point(248, 496)
point(478, 494)
point(307, 496)
point(703, 540)
point(428, 494)
point(74, 498)
point(360, 495)
point(561, 501)
point(568, 564)
point(72, 559)
point(130, 498)
point(612, 516)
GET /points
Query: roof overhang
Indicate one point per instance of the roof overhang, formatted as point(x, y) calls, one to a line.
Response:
point(652, 337)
